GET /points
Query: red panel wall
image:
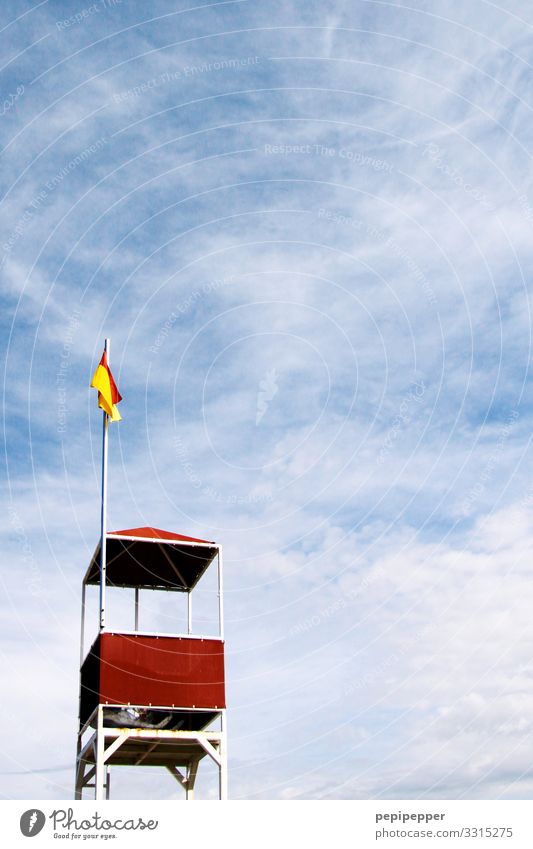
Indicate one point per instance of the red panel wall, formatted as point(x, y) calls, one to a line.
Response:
point(143, 670)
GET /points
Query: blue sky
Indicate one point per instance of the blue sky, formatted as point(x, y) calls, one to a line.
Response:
point(307, 230)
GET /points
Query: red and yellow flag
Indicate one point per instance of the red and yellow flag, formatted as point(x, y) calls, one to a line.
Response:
point(108, 394)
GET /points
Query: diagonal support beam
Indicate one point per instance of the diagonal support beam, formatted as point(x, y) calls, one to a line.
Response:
point(192, 772)
point(173, 566)
point(178, 775)
point(88, 776)
point(210, 749)
point(116, 744)
point(88, 746)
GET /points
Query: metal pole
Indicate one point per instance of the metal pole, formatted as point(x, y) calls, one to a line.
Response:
point(103, 515)
point(220, 597)
point(82, 638)
point(189, 612)
point(136, 608)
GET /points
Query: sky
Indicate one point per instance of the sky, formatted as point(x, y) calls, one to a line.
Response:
point(307, 230)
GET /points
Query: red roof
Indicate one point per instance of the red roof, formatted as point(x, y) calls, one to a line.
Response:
point(156, 533)
point(150, 557)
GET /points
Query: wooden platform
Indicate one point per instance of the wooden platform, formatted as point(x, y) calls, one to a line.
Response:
point(174, 750)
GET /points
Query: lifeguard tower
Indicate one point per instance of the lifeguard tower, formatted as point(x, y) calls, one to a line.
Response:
point(149, 698)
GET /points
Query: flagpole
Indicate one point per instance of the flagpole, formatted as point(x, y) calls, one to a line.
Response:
point(103, 513)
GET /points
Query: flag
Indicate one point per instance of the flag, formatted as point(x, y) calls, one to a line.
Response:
point(108, 394)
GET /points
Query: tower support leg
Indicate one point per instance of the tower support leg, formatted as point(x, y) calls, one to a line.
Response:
point(99, 780)
point(78, 781)
point(223, 766)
